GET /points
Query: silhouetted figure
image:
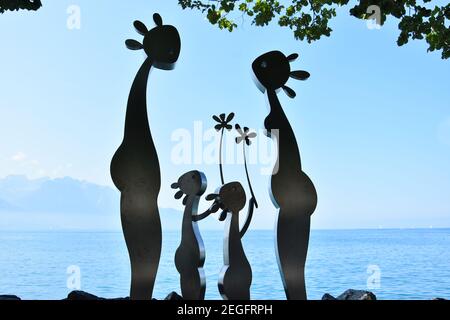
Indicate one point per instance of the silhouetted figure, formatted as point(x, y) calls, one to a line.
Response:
point(291, 189)
point(190, 255)
point(236, 275)
point(135, 167)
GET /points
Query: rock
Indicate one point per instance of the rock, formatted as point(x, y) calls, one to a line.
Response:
point(439, 299)
point(328, 296)
point(120, 299)
point(352, 295)
point(85, 296)
point(173, 296)
point(357, 295)
point(9, 298)
point(81, 295)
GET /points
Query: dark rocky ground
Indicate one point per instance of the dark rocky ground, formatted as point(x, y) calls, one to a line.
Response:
point(9, 298)
point(173, 296)
point(81, 295)
point(352, 295)
point(85, 296)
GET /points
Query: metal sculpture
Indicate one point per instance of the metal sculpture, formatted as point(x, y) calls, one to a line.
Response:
point(236, 275)
point(292, 191)
point(223, 124)
point(135, 167)
point(190, 255)
point(245, 137)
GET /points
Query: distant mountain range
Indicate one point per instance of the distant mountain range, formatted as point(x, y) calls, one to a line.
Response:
point(67, 204)
point(64, 195)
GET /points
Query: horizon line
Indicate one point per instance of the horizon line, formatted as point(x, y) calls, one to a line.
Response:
point(209, 229)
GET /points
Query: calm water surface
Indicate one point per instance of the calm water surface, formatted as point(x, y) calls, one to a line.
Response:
point(410, 264)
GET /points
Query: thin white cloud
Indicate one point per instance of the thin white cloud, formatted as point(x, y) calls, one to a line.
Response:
point(19, 157)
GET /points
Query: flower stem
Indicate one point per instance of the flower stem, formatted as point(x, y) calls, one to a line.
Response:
point(220, 157)
point(248, 176)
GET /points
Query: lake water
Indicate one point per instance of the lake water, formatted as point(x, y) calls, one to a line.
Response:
point(395, 264)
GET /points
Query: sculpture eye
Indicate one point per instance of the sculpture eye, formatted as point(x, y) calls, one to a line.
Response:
point(264, 64)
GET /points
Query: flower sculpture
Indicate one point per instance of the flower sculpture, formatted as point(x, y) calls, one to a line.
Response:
point(245, 137)
point(223, 124)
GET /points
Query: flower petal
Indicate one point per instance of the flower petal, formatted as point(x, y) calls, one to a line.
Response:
point(246, 129)
point(239, 139)
point(222, 117)
point(247, 141)
point(229, 127)
point(230, 117)
point(252, 135)
point(216, 118)
point(218, 127)
point(239, 129)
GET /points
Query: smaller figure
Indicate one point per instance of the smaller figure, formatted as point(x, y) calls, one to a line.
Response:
point(190, 255)
point(236, 275)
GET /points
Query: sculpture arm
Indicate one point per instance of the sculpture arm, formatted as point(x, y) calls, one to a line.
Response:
point(213, 209)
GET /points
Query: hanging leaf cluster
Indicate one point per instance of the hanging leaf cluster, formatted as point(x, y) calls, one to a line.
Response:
point(15, 5)
point(309, 20)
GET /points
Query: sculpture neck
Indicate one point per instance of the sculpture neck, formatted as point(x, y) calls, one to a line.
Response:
point(190, 209)
point(274, 102)
point(278, 124)
point(136, 119)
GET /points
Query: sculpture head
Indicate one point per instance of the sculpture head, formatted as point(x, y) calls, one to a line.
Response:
point(192, 183)
point(272, 71)
point(232, 197)
point(162, 44)
point(229, 198)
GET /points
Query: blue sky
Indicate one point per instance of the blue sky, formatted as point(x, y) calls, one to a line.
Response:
point(373, 121)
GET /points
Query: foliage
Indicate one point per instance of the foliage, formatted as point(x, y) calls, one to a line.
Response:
point(309, 19)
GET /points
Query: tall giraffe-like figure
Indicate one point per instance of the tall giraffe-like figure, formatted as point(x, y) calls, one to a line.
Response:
point(292, 191)
point(135, 167)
